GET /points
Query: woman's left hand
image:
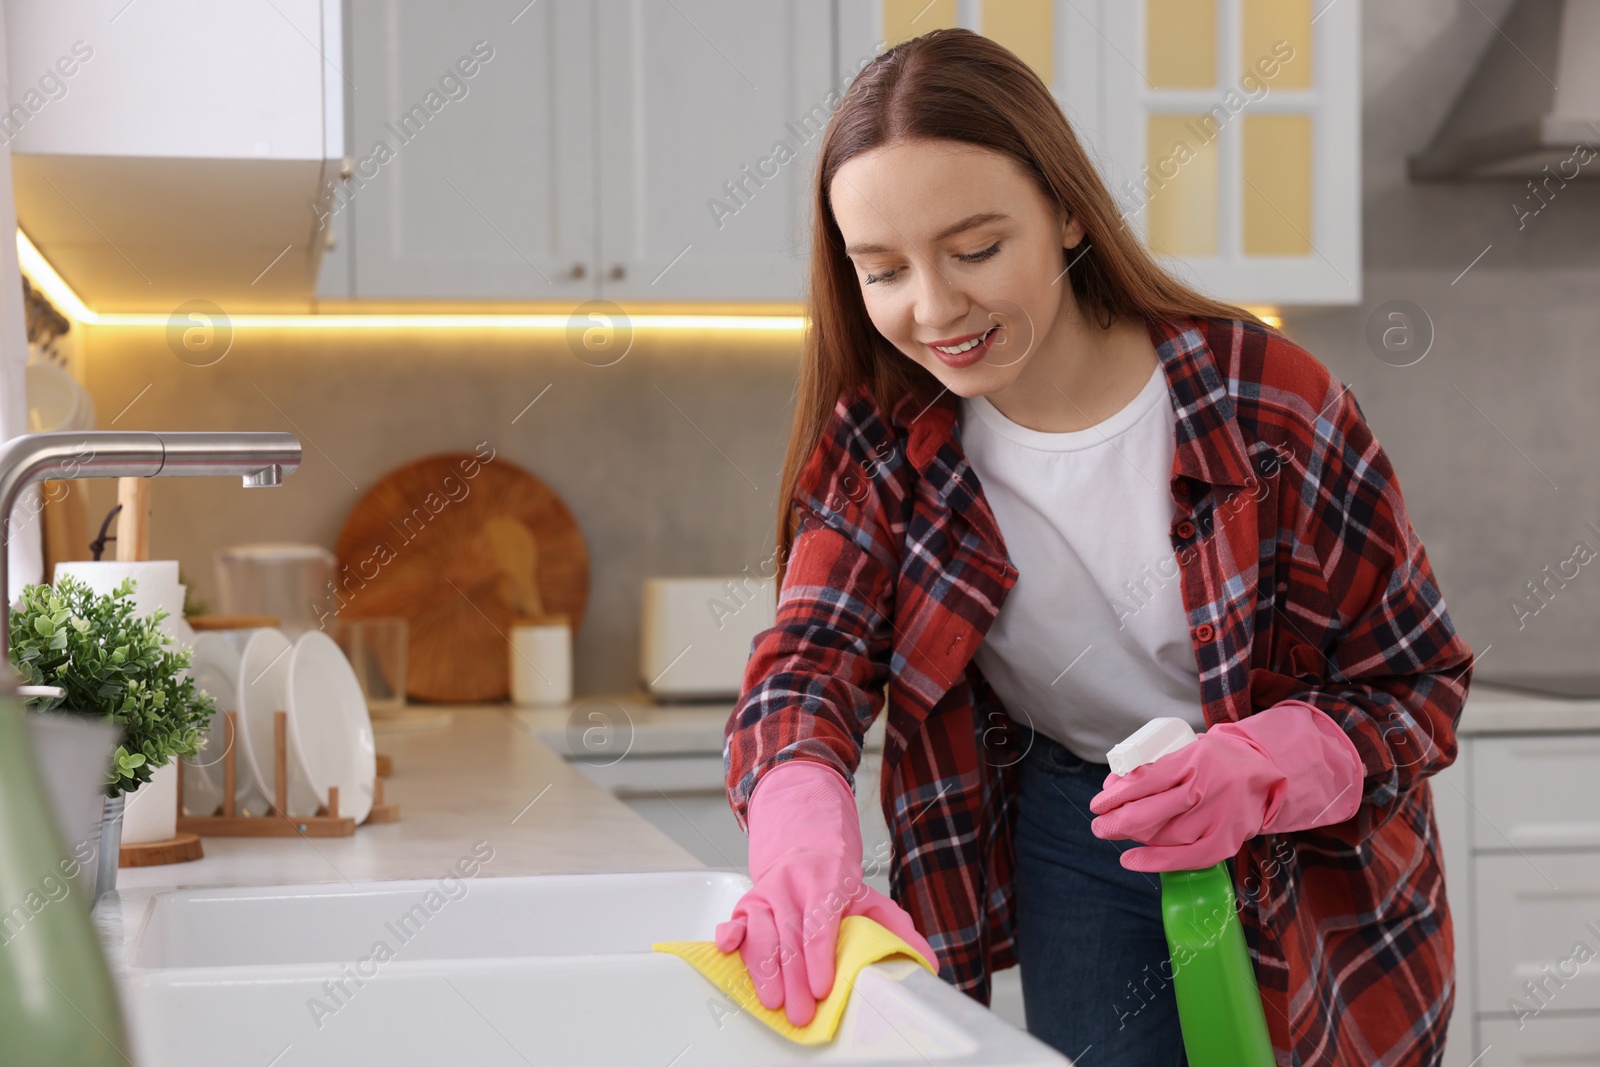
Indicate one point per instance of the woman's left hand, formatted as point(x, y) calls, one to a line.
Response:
point(1287, 767)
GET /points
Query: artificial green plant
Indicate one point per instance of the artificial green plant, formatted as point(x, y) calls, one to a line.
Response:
point(113, 664)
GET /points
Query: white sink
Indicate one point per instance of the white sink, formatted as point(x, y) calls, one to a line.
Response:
point(552, 969)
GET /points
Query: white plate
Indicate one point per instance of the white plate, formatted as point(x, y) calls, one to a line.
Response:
point(263, 689)
point(215, 670)
point(330, 725)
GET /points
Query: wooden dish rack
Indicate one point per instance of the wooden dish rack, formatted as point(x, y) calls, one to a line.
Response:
point(230, 822)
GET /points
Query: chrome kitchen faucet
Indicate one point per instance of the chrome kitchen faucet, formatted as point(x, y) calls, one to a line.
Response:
point(261, 459)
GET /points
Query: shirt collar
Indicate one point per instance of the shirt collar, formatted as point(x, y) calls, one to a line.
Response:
point(1209, 446)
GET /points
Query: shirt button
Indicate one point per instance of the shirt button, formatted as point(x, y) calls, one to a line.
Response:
point(1204, 632)
point(1186, 529)
point(1182, 487)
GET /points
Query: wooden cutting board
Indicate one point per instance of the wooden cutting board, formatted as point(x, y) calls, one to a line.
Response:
point(460, 548)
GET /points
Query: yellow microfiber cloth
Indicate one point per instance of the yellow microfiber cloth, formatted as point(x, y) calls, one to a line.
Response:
point(861, 941)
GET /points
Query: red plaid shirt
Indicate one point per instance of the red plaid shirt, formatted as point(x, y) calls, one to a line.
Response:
point(1302, 578)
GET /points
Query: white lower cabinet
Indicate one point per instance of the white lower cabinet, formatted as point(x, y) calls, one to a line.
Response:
point(1571, 1041)
point(1537, 929)
point(1518, 815)
point(1453, 813)
point(1537, 791)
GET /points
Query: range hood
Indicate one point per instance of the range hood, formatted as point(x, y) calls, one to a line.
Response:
point(1531, 102)
point(186, 153)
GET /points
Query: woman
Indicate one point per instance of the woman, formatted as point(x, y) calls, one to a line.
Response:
point(1039, 492)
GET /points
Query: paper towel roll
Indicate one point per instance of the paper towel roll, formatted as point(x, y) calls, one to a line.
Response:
point(155, 585)
point(151, 812)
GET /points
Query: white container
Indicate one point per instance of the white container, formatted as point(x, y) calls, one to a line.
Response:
point(291, 580)
point(541, 662)
point(151, 813)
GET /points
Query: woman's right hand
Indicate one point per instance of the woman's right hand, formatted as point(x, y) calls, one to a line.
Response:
point(805, 861)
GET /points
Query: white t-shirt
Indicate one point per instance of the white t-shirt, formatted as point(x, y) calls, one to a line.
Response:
point(1092, 641)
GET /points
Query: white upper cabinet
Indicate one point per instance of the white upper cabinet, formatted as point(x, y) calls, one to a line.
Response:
point(472, 151)
point(174, 152)
point(1227, 130)
point(599, 148)
point(100, 77)
point(710, 116)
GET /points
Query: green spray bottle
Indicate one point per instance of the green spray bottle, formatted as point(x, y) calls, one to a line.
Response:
point(58, 1002)
point(1219, 1005)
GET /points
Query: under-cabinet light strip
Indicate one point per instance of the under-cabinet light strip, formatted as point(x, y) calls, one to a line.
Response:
point(44, 277)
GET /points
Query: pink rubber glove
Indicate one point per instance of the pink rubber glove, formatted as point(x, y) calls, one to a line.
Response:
point(805, 861)
point(1287, 767)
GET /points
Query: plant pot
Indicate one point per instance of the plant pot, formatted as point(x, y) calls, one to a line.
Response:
point(73, 755)
point(151, 811)
point(105, 878)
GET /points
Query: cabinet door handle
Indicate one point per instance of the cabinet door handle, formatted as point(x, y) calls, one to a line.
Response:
point(578, 270)
point(618, 272)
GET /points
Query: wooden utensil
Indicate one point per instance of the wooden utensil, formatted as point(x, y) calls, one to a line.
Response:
point(460, 556)
point(64, 519)
point(133, 521)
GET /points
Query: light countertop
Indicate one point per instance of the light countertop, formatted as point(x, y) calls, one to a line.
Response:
point(1493, 710)
point(465, 773)
point(600, 728)
point(461, 774)
point(604, 727)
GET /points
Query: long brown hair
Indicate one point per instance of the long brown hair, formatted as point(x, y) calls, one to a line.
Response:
point(961, 86)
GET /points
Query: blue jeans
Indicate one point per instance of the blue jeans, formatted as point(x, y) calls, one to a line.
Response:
point(1096, 971)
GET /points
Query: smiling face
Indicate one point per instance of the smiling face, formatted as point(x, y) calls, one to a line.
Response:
point(959, 257)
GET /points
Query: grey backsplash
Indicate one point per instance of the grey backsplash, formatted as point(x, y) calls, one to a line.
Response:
point(670, 459)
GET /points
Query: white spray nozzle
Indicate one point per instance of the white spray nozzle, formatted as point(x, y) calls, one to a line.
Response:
point(1149, 743)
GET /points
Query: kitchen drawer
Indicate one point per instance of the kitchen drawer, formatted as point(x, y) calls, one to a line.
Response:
point(1571, 1041)
point(1535, 912)
point(1536, 791)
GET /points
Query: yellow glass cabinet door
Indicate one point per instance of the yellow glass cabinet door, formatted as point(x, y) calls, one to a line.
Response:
point(1227, 130)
